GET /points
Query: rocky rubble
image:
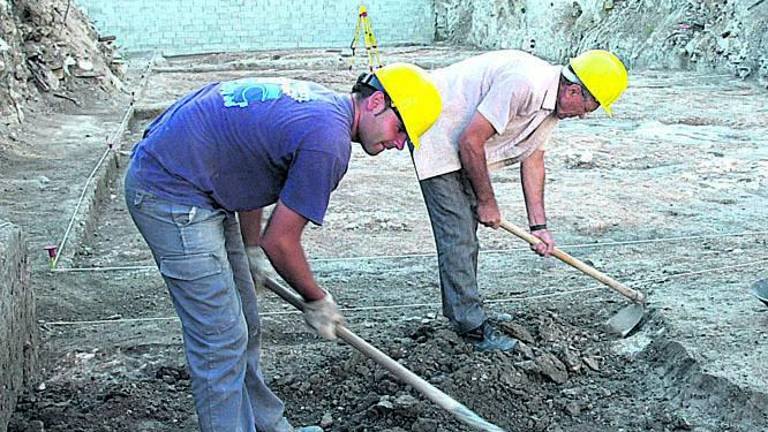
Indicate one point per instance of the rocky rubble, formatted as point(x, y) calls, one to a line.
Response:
point(559, 372)
point(705, 35)
point(48, 49)
point(698, 35)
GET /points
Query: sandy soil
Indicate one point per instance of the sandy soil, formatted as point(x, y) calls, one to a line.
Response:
point(659, 197)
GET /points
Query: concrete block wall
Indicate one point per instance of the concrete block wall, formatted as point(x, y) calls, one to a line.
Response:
point(18, 323)
point(198, 26)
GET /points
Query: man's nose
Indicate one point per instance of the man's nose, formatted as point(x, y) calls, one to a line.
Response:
point(400, 141)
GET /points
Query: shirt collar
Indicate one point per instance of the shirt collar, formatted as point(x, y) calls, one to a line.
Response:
point(553, 85)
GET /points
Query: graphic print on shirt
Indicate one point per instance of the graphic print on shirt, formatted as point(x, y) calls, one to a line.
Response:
point(243, 92)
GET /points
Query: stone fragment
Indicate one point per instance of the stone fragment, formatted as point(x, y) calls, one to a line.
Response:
point(592, 362)
point(85, 65)
point(36, 426)
point(517, 331)
point(552, 368)
point(424, 425)
point(572, 359)
point(326, 421)
point(573, 408)
point(525, 350)
point(385, 403)
point(405, 401)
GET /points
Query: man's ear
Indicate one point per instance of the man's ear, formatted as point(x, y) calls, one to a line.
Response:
point(573, 89)
point(376, 102)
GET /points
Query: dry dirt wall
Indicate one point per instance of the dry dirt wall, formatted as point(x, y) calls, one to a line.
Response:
point(48, 47)
point(707, 35)
point(18, 325)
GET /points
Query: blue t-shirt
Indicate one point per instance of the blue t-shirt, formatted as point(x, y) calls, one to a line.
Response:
point(241, 145)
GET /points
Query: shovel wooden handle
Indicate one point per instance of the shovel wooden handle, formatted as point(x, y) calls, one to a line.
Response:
point(634, 295)
point(461, 412)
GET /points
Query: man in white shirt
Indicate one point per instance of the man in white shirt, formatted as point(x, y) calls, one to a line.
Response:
point(499, 108)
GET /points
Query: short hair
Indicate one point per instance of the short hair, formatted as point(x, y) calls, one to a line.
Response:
point(367, 84)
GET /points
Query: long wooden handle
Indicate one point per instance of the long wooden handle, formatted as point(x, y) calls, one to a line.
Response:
point(461, 412)
point(634, 295)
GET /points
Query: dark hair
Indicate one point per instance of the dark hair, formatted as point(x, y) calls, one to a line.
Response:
point(364, 89)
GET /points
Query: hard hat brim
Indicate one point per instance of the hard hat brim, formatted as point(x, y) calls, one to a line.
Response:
point(413, 138)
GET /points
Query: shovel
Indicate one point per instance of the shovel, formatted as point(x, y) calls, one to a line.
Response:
point(461, 412)
point(760, 290)
point(626, 319)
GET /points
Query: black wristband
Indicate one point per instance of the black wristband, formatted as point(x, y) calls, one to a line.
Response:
point(538, 227)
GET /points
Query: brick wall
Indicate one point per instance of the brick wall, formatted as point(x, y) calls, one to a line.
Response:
point(198, 26)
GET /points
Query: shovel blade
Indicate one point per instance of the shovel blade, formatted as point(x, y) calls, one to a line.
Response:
point(760, 290)
point(626, 320)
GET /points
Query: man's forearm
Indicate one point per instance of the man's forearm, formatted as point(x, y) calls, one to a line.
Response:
point(250, 226)
point(532, 175)
point(473, 162)
point(289, 260)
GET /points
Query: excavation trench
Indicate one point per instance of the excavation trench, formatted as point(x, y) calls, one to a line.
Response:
point(113, 351)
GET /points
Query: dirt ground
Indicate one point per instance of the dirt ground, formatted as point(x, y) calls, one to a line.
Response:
point(668, 197)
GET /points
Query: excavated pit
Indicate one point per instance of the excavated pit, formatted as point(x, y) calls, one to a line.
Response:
point(648, 197)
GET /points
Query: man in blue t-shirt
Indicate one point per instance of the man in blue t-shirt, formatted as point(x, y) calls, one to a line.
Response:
point(196, 186)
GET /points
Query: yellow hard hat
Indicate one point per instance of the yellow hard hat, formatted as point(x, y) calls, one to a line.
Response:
point(414, 97)
point(603, 74)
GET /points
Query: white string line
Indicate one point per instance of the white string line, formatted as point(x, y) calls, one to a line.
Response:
point(637, 281)
point(116, 136)
point(422, 305)
point(427, 255)
point(716, 269)
point(104, 269)
point(296, 312)
point(77, 207)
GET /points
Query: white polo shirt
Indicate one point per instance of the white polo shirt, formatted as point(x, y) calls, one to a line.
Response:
point(515, 91)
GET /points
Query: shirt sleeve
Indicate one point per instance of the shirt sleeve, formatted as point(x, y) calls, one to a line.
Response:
point(312, 177)
point(506, 96)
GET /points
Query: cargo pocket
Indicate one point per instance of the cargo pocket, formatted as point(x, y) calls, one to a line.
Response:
point(202, 291)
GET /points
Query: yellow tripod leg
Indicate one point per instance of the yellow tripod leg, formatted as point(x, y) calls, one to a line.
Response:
point(371, 46)
point(353, 45)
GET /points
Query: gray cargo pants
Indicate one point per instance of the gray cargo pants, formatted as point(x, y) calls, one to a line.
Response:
point(451, 204)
